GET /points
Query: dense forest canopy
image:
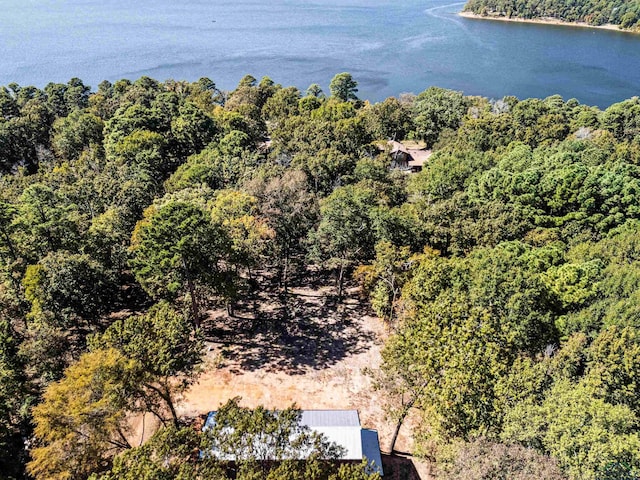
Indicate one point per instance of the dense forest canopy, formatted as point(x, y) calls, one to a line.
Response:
point(507, 270)
point(625, 13)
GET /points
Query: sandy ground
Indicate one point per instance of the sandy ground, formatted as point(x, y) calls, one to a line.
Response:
point(544, 21)
point(316, 359)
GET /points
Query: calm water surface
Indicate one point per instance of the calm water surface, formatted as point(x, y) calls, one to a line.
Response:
point(389, 47)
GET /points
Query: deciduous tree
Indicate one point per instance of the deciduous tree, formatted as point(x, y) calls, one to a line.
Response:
point(166, 351)
point(81, 423)
point(177, 251)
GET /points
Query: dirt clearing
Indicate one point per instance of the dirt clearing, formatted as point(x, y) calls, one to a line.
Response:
point(314, 356)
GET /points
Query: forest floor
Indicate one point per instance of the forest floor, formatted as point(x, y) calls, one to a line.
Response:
point(315, 357)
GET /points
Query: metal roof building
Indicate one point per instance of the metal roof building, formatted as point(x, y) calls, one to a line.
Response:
point(343, 428)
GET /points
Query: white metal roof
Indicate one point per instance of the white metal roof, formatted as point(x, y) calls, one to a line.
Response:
point(347, 437)
point(341, 427)
point(338, 426)
point(330, 418)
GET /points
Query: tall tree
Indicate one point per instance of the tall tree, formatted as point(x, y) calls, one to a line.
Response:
point(177, 253)
point(582, 431)
point(71, 288)
point(166, 350)
point(81, 423)
point(290, 210)
point(437, 109)
point(171, 453)
point(343, 87)
point(236, 214)
point(76, 132)
point(244, 444)
point(344, 234)
point(14, 396)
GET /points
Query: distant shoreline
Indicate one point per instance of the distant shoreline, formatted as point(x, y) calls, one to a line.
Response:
point(545, 21)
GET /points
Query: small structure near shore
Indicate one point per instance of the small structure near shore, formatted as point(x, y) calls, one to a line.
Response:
point(407, 159)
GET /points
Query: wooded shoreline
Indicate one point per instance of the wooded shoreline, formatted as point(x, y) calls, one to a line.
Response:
point(545, 21)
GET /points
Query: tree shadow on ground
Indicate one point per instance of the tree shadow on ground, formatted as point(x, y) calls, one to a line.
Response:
point(306, 330)
point(399, 468)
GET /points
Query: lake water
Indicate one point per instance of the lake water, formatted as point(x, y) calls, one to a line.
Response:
point(389, 47)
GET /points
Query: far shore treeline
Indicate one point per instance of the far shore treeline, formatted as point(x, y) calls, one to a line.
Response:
point(507, 271)
point(624, 13)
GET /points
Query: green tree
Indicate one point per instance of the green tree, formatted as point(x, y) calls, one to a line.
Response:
point(47, 222)
point(314, 90)
point(343, 87)
point(617, 12)
point(385, 278)
point(71, 288)
point(219, 165)
point(283, 104)
point(9, 107)
point(81, 423)
point(14, 397)
point(623, 119)
point(193, 129)
point(435, 110)
point(171, 453)
point(244, 444)
point(8, 214)
point(236, 214)
point(145, 150)
point(582, 431)
point(613, 362)
point(325, 168)
point(76, 132)
point(344, 234)
point(466, 321)
point(390, 120)
point(177, 251)
point(166, 353)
